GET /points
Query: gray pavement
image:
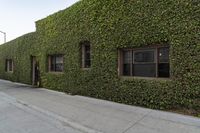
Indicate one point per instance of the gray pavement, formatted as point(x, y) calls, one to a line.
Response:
point(18, 118)
point(33, 110)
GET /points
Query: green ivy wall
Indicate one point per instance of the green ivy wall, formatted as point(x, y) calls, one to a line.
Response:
point(111, 25)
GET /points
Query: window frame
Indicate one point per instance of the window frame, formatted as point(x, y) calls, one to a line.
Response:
point(7, 65)
point(50, 63)
point(142, 49)
point(83, 54)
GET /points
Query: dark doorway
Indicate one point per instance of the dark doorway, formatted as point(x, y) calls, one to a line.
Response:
point(35, 72)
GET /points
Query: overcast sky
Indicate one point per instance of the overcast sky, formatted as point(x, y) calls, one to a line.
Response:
point(17, 17)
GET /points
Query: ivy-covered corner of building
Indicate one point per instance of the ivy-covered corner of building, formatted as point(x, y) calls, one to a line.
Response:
point(110, 26)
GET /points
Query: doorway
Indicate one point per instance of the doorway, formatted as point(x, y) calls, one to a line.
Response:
point(35, 73)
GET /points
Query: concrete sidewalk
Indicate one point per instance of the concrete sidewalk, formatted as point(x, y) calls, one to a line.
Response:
point(18, 118)
point(92, 115)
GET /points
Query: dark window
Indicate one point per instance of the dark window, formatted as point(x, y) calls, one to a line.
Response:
point(9, 65)
point(144, 63)
point(163, 62)
point(86, 60)
point(152, 62)
point(127, 58)
point(56, 63)
point(144, 56)
point(144, 70)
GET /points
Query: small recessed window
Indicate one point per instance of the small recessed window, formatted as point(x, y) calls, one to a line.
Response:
point(56, 63)
point(85, 55)
point(147, 62)
point(9, 65)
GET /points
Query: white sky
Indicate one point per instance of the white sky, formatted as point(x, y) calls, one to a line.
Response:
point(17, 17)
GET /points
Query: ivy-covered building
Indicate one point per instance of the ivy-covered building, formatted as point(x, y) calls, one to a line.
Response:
point(136, 52)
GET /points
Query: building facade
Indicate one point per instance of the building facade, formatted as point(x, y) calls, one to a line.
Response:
point(133, 52)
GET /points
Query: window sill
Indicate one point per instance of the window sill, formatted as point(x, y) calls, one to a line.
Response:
point(85, 69)
point(144, 78)
point(11, 72)
point(56, 72)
